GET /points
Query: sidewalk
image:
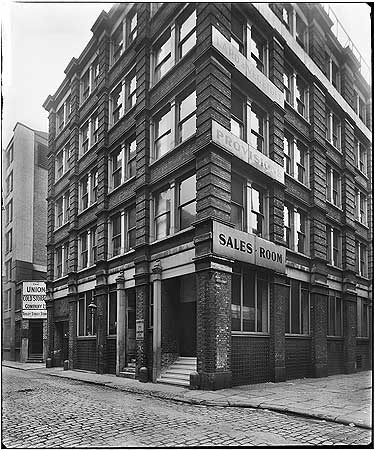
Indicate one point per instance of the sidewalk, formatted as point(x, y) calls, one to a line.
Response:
point(343, 399)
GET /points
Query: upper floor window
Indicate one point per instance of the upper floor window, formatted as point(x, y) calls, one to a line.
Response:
point(63, 113)
point(287, 16)
point(8, 300)
point(61, 260)
point(333, 129)
point(89, 133)
point(117, 40)
point(84, 135)
point(237, 122)
point(360, 203)
point(122, 231)
point(334, 253)
point(295, 159)
point(162, 213)
point(296, 91)
point(8, 241)
point(187, 202)
point(187, 36)
point(162, 55)
point(360, 106)
point(9, 212)
point(363, 315)
point(86, 322)
point(258, 47)
point(131, 26)
point(333, 186)
point(116, 104)
point(361, 257)
point(295, 229)
point(123, 163)
point(90, 79)
point(301, 31)
point(334, 315)
point(250, 301)
point(297, 311)
point(131, 90)
point(88, 189)
point(62, 210)
point(162, 133)
point(87, 248)
point(8, 269)
point(187, 120)
point(123, 97)
point(237, 33)
point(332, 71)
point(62, 162)
point(258, 127)
point(9, 156)
point(360, 156)
point(9, 183)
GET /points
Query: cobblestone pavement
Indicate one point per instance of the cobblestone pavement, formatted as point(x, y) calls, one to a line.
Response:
point(45, 412)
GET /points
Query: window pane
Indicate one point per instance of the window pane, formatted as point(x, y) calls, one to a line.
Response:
point(162, 226)
point(81, 317)
point(236, 216)
point(188, 128)
point(249, 301)
point(338, 317)
point(188, 25)
point(287, 313)
point(305, 310)
point(331, 315)
point(162, 202)
point(188, 189)
point(90, 316)
point(236, 302)
point(188, 44)
point(262, 306)
point(188, 214)
point(295, 308)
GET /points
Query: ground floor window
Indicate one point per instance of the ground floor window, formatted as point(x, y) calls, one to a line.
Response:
point(250, 301)
point(362, 317)
point(334, 315)
point(86, 317)
point(297, 311)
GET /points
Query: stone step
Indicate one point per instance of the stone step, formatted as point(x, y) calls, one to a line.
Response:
point(179, 376)
point(128, 372)
point(173, 381)
point(186, 367)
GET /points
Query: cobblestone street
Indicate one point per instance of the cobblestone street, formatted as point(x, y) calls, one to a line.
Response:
point(41, 411)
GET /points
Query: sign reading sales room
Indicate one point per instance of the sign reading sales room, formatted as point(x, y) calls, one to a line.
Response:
point(248, 248)
point(34, 300)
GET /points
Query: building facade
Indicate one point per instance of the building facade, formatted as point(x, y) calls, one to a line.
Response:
point(24, 237)
point(209, 197)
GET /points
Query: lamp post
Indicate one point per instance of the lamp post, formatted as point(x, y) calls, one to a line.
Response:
point(92, 308)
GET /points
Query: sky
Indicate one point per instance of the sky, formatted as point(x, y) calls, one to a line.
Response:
point(39, 40)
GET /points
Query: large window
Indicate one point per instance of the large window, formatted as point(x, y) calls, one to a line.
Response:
point(62, 210)
point(187, 116)
point(112, 310)
point(123, 162)
point(162, 214)
point(360, 204)
point(363, 315)
point(62, 162)
point(334, 315)
point(162, 56)
point(361, 257)
point(187, 36)
point(333, 186)
point(360, 155)
point(250, 301)
point(297, 311)
point(123, 231)
point(86, 319)
point(123, 97)
point(88, 187)
point(61, 260)
point(162, 133)
point(333, 129)
point(295, 159)
point(333, 238)
point(187, 202)
point(295, 229)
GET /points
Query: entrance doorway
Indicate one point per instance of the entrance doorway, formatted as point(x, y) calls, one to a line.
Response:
point(187, 317)
point(35, 338)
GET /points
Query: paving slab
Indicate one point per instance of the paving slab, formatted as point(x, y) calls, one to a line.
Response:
point(339, 398)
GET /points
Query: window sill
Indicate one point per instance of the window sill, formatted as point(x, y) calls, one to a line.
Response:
point(305, 119)
point(339, 208)
point(129, 252)
point(363, 174)
point(86, 268)
point(338, 338)
point(121, 185)
point(297, 336)
point(297, 181)
point(363, 338)
point(82, 103)
point(336, 149)
point(82, 155)
point(60, 278)
point(185, 230)
point(81, 212)
point(332, 266)
point(295, 252)
point(111, 336)
point(128, 46)
point(250, 333)
point(60, 132)
point(362, 224)
point(124, 116)
point(86, 337)
point(59, 228)
point(362, 277)
point(175, 148)
point(62, 176)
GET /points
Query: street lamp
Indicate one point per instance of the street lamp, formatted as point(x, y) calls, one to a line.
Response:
point(92, 308)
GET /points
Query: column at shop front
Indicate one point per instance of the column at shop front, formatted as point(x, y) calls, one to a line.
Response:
point(214, 295)
point(121, 337)
point(50, 327)
point(350, 331)
point(142, 289)
point(101, 298)
point(156, 336)
point(279, 296)
point(72, 302)
point(318, 300)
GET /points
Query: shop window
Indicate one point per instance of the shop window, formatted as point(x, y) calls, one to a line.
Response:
point(363, 314)
point(361, 258)
point(333, 129)
point(360, 206)
point(162, 214)
point(9, 212)
point(250, 301)
point(297, 311)
point(360, 156)
point(334, 315)
point(333, 186)
point(112, 311)
point(187, 36)
point(187, 202)
point(333, 239)
point(295, 229)
point(187, 120)
point(162, 133)
point(86, 319)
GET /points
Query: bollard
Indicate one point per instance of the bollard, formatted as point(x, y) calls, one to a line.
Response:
point(66, 364)
point(143, 375)
point(49, 363)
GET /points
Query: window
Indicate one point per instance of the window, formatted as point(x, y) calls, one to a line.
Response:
point(63, 114)
point(130, 162)
point(162, 134)
point(295, 229)
point(8, 269)
point(187, 36)
point(187, 202)
point(301, 31)
point(237, 33)
point(187, 117)
point(333, 238)
point(334, 315)
point(87, 248)
point(85, 85)
point(123, 227)
point(112, 310)
point(250, 301)
point(8, 300)
point(162, 56)
point(86, 318)
point(123, 162)
point(62, 162)
point(89, 133)
point(93, 246)
point(257, 211)
point(84, 251)
point(288, 85)
point(333, 129)
point(84, 192)
point(9, 183)
point(62, 210)
point(117, 163)
point(297, 311)
point(300, 162)
point(301, 96)
point(116, 234)
point(287, 16)
point(237, 213)
point(94, 132)
point(88, 189)
point(8, 241)
point(162, 213)
point(94, 186)
point(117, 43)
point(360, 106)
point(296, 92)
point(258, 127)
point(296, 159)
point(131, 26)
point(333, 186)
point(360, 204)
point(9, 212)
point(116, 103)
point(130, 90)
point(360, 156)
point(361, 257)
point(332, 71)
point(131, 228)
point(84, 138)
point(363, 314)
point(61, 260)
point(237, 122)
point(258, 50)
point(9, 156)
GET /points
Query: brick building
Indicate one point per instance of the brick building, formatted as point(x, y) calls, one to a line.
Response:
point(24, 237)
point(209, 197)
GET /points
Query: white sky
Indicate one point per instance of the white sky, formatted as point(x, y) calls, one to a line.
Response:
point(39, 40)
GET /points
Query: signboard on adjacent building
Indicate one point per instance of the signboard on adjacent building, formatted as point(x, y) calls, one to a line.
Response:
point(247, 153)
point(34, 300)
point(246, 67)
point(248, 248)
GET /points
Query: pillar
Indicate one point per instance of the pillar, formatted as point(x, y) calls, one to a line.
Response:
point(156, 331)
point(24, 351)
point(50, 326)
point(72, 302)
point(350, 331)
point(121, 337)
point(318, 302)
point(101, 297)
